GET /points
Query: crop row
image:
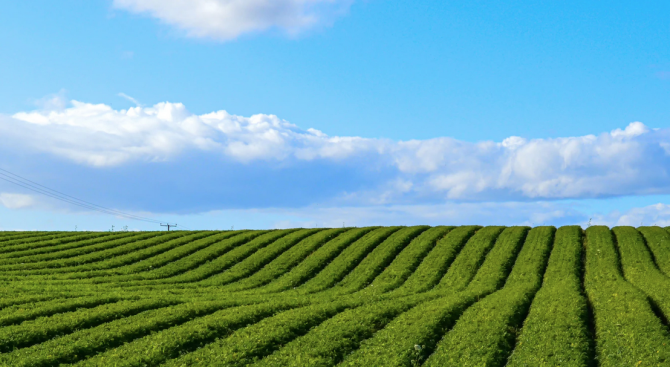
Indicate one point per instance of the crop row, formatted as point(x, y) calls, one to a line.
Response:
point(556, 330)
point(391, 296)
point(626, 329)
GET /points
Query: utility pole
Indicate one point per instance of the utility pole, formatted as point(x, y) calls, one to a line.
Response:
point(168, 225)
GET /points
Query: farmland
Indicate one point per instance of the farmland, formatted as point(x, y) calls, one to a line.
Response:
point(373, 296)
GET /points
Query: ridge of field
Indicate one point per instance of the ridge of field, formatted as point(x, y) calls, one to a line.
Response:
point(371, 296)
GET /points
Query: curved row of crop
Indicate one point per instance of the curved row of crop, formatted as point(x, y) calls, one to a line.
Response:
point(315, 262)
point(288, 259)
point(9, 236)
point(658, 241)
point(41, 329)
point(178, 260)
point(346, 261)
point(627, 330)
point(639, 268)
point(361, 296)
point(71, 249)
point(407, 261)
point(326, 343)
point(399, 245)
point(433, 267)
point(105, 263)
point(464, 267)
point(84, 343)
point(47, 241)
point(482, 335)
point(204, 264)
point(30, 311)
point(201, 320)
point(33, 237)
point(556, 332)
point(409, 338)
point(79, 266)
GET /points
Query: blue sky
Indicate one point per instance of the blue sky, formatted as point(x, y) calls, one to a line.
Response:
point(362, 112)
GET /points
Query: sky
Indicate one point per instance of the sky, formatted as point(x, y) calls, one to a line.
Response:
point(219, 114)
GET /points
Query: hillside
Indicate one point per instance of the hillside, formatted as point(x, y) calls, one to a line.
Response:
point(374, 296)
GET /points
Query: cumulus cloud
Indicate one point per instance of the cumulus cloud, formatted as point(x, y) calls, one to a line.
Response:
point(97, 135)
point(629, 161)
point(228, 19)
point(16, 201)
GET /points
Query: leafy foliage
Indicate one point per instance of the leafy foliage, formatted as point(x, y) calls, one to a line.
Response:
point(373, 296)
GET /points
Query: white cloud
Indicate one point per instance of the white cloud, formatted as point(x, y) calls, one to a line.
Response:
point(16, 201)
point(656, 215)
point(129, 98)
point(228, 19)
point(633, 129)
point(630, 161)
point(97, 135)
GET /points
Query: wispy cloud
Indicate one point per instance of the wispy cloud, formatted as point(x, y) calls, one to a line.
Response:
point(228, 19)
point(129, 98)
point(16, 201)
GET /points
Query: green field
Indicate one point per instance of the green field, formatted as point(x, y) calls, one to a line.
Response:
point(374, 296)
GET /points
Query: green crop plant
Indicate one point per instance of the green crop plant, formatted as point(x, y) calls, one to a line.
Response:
point(627, 330)
point(371, 296)
point(556, 332)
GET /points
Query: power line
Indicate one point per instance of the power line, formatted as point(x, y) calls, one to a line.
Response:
point(43, 192)
point(74, 202)
point(186, 228)
point(48, 191)
point(34, 186)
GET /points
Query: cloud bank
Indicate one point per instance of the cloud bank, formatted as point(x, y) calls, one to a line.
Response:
point(629, 161)
point(228, 19)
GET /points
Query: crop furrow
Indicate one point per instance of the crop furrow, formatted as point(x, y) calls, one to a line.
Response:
point(627, 330)
point(259, 259)
point(71, 249)
point(556, 330)
point(435, 264)
point(161, 346)
point(20, 313)
point(52, 240)
point(346, 261)
point(377, 260)
point(182, 259)
point(44, 328)
point(403, 265)
point(85, 343)
point(412, 336)
point(315, 262)
point(485, 334)
point(658, 242)
point(462, 270)
point(639, 268)
point(224, 261)
point(286, 261)
point(137, 256)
